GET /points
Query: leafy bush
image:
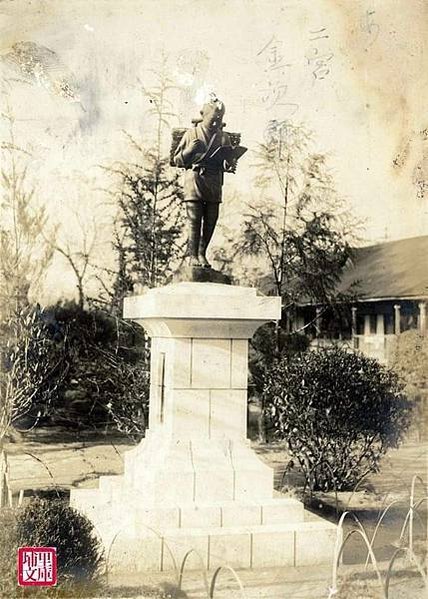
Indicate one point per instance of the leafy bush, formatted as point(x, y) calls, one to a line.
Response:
point(79, 368)
point(109, 370)
point(410, 360)
point(339, 412)
point(267, 344)
point(32, 366)
point(45, 523)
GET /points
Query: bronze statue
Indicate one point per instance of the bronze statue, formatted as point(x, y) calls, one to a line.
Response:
point(206, 152)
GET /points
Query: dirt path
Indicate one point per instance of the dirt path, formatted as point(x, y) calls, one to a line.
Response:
point(48, 459)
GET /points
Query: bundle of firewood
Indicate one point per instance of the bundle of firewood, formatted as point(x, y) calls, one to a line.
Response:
point(178, 132)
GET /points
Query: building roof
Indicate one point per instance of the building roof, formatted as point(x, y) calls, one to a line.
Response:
point(393, 269)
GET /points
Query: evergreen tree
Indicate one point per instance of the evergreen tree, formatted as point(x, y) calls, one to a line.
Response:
point(148, 229)
point(298, 233)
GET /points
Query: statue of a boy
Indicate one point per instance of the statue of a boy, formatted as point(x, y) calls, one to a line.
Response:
point(203, 178)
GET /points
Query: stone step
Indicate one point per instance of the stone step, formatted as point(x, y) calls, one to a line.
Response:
point(110, 485)
point(81, 499)
point(96, 504)
point(296, 544)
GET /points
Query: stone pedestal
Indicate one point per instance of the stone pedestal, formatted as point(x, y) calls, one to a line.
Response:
point(194, 482)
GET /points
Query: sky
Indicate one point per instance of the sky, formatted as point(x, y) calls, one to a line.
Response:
point(353, 71)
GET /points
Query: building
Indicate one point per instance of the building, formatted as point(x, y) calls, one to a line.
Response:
point(392, 288)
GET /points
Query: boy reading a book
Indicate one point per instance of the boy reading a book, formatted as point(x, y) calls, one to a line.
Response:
point(202, 152)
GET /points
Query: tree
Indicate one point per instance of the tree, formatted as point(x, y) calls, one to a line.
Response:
point(300, 239)
point(148, 227)
point(338, 412)
point(78, 256)
point(295, 240)
point(297, 237)
point(24, 252)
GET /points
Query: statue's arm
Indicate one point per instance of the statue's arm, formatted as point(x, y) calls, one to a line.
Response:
point(179, 158)
point(188, 150)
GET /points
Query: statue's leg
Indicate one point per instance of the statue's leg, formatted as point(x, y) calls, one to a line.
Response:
point(194, 220)
point(210, 216)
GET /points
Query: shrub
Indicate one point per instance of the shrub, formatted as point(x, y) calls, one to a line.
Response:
point(410, 360)
point(106, 380)
point(268, 344)
point(338, 412)
point(55, 524)
point(32, 367)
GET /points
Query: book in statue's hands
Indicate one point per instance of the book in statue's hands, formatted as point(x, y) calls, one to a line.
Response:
point(228, 153)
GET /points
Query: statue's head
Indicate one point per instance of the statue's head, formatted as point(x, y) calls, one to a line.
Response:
point(212, 115)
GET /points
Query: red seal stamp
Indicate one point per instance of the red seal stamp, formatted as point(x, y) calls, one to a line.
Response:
point(37, 566)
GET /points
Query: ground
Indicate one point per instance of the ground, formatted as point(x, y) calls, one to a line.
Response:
point(57, 460)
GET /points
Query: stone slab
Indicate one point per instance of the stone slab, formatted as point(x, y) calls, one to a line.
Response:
point(191, 413)
point(282, 511)
point(214, 485)
point(204, 516)
point(207, 301)
point(211, 361)
point(176, 547)
point(182, 366)
point(255, 484)
point(270, 550)
point(315, 542)
point(144, 540)
point(238, 514)
point(128, 554)
point(239, 364)
point(156, 518)
point(228, 414)
point(233, 549)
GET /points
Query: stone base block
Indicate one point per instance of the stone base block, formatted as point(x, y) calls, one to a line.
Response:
point(309, 542)
point(96, 505)
point(144, 554)
point(266, 533)
point(168, 472)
